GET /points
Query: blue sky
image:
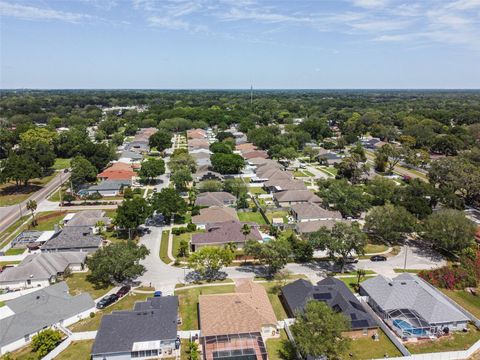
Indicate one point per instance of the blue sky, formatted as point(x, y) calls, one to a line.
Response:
point(236, 43)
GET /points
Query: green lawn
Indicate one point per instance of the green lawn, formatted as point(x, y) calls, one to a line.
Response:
point(411, 271)
point(308, 173)
point(47, 221)
point(77, 350)
point(366, 348)
point(13, 251)
point(25, 353)
point(77, 283)
point(329, 170)
point(465, 299)
point(55, 196)
point(177, 239)
point(164, 247)
point(275, 346)
point(125, 303)
point(278, 214)
point(375, 248)
point(12, 229)
point(188, 303)
point(299, 174)
point(61, 164)
point(256, 190)
point(273, 291)
point(255, 217)
point(352, 282)
point(11, 194)
point(2, 303)
point(4, 263)
point(454, 342)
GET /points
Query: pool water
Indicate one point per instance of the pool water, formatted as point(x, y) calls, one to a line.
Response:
point(408, 328)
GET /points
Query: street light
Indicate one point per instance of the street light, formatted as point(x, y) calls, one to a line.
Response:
point(406, 252)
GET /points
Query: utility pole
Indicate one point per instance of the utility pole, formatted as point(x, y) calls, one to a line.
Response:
point(251, 96)
point(406, 252)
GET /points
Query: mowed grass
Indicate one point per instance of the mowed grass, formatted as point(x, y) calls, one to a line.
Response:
point(256, 190)
point(47, 221)
point(61, 164)
point(278, 214)
point(188, 303)
point(453, 342)
point(13, 252)
point(164, 247)
point(255, 217)
point(275, 346)
point(125, 303)
point(10, 194)
point(366, 348)
point(465, 299)
point(77, 350)
point(375, 248)
point(273, 291)
point(78, 283)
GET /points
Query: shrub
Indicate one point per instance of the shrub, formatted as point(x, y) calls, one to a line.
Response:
point(45, 341)
point(191, 227)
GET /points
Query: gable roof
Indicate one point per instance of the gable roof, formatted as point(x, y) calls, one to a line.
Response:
point(296, 196)
point(305, 211)
point(285, 184)
point(246, 310)
point(335, 294)
point(245, 147)
point(40, 309)
point(271, 172)
point(86, 218)
point(225, 232)
point(255, 154)
point(152, 320)
point(216, 198)
point(118, 171)
point(42, 266)
point(305, 227)
point(215, 214)
point(73, 237)
point(408, 291)
point(110, 185)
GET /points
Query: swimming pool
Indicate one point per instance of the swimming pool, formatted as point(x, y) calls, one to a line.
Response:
point(407, 328)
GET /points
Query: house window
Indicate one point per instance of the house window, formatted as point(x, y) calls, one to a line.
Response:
point(365, 332)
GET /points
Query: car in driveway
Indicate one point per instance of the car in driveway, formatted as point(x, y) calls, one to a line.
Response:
point(107, 300)
point(157, 293)
point(378, 258)
point(351, 260)
point(124, 290)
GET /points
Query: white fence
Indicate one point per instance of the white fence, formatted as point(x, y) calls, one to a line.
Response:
point(450, 355)
point(86, 335)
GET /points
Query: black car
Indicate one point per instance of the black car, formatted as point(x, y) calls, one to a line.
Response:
point(124, 290)
point(378, 258)
point(107, 300)
point(351, 260)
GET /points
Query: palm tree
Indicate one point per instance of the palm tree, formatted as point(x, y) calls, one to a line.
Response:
point(100, 225)
point(246, 230)
point(32, 206)
point(231, 246)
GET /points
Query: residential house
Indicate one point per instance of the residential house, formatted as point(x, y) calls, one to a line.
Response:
point(307, 227)
point(307, 211)
point(108, 187)
point(139, 146)
point(198, 144)
point(237, 324)
point(217, 198)
point(290, 197)
point(214, 214)
point(411, 307)
point(222, 233)
point(40, 270)
point(118, 171)
point(130, 157)
point(147, 331)
point(73, 238)
point(329, 158)
point(85, 218)
point(255, 154)
point(334, 293)
point(196, 134)
point(25, 316)
point(275, 185)
point(246, 147)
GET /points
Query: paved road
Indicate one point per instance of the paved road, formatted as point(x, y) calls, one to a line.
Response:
point(10, 214)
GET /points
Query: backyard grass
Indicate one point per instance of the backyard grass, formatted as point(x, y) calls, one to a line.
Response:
point(465, 299)
point(25, 353)
point(352, 281)
point(256, 190)
point(188, 303)
point(375, 248)
point(77, 350)
point(255, 217)
point(278, 214)
point(366, 348)
point(125, 303)
point(454, 342)
point(12, 252)
point(273, 291)
point(164, 247)
point(10, 194)
point(47, 220)
point(275, 346)
point(78, 283)
point(6, 263)
point(61, 164)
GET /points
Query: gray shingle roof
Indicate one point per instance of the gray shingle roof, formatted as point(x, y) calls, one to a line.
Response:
point(75, 237)
point(42, 266)
point(41, 309)
point(109, 185)
point(305, 211)
point(296, 196)
point(334, 293)
point(225, 232)
point(154, 319)
point(217, 198)
point(408, 291)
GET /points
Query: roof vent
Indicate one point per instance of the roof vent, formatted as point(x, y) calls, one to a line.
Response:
point(403, 283)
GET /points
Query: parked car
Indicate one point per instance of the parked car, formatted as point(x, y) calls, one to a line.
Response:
point(378, 258)
point(124, 290)
point(157, 293)
point(351, 260)
point(107, 300)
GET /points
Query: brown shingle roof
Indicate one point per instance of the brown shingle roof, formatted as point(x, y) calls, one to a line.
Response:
point(225, 232)
point(305, 211)
point(286, 184)
point(255, 154)
point(215, 214)
point(246, 310)
point(296, 196)
point(216, 198)
point(245, 147)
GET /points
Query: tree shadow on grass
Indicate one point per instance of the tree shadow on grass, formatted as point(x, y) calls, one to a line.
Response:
point(12, 189)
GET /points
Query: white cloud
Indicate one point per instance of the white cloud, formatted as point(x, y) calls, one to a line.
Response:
point(464, 4)
point(380, 25)
point(168, 23)
point(260, 15)
point(34, 13)
point(370, 4)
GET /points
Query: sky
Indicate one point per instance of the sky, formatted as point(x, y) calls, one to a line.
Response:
point(233, 44)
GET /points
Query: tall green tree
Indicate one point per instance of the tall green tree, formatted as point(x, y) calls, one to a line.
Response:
point(132, 213)
point(168, 202)
point(82, 171)
point(208, 260)
point(339, 195)
point(19, 168)
point(116, 263)
point(45, 341)
point(318, 332)
point(389, 223)
point(181, 178)
point(161, 140)
point(151, 169)
point(227, 163)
